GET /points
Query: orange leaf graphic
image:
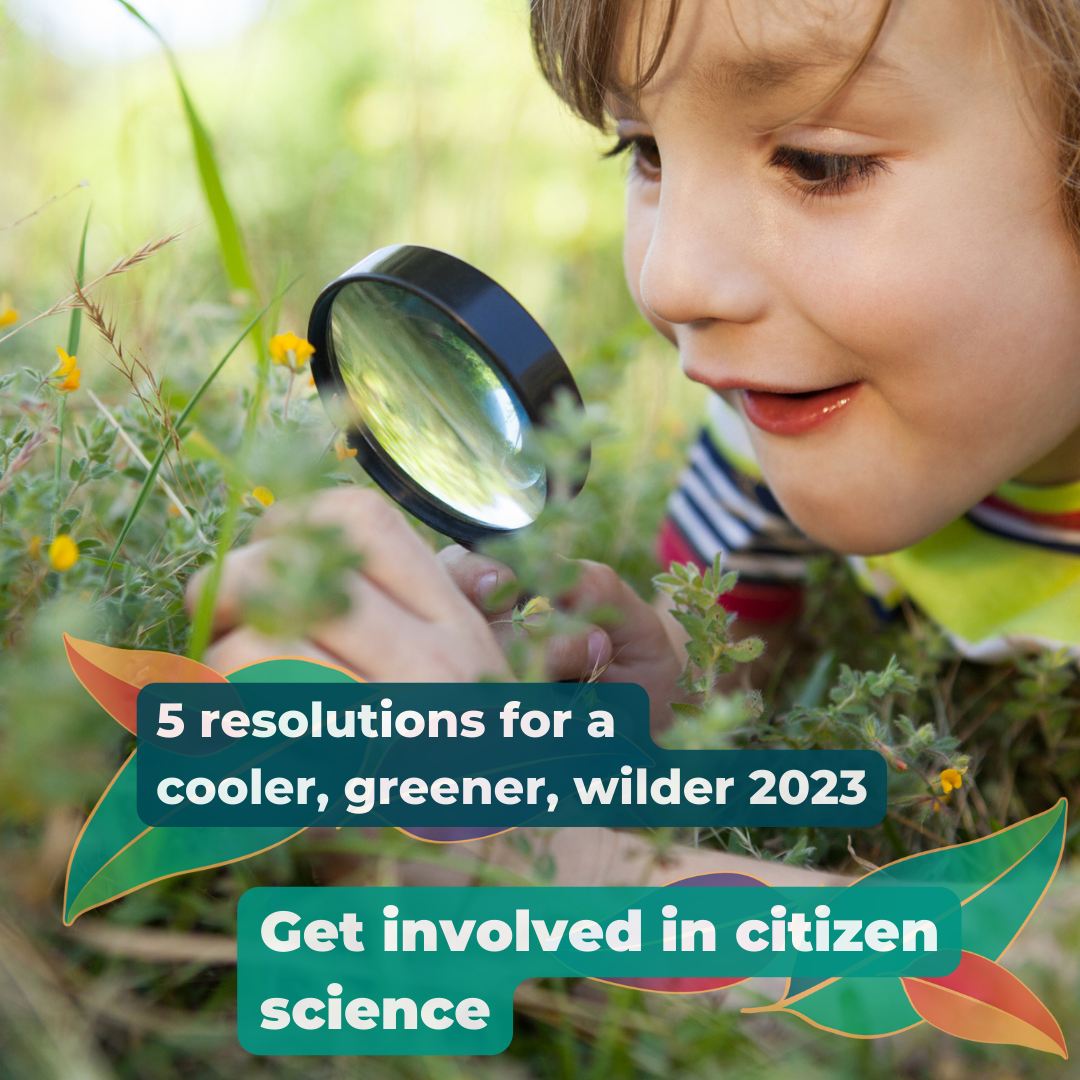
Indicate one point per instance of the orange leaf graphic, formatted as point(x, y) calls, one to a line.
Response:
point(984, 1002)
point(113, 677)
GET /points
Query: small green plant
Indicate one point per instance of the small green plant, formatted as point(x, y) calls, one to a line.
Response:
point(710, 651)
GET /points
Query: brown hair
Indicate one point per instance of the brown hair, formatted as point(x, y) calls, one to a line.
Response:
point(575, 40)
point(1045, 40)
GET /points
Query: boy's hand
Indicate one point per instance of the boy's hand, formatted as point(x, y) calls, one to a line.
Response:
point(408, 621)
point(637, 648)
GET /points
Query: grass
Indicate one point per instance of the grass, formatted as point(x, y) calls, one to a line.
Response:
point(333, 129)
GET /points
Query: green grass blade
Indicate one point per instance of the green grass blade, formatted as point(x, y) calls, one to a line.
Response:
point(233, 253)
point(151, 476)
point(230, 241)
point(80, 273)
point(203, 623)
point(72, 347)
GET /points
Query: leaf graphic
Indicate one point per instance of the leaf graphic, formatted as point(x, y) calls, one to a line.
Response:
point(861, 1008)
point(996, 915)
point(984, 1002)
point(970, 868)
point(999, 880)
point(690, 984)
point(113, 677)
point(115, 853)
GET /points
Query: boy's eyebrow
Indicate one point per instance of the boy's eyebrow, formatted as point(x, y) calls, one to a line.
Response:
point(765, 72)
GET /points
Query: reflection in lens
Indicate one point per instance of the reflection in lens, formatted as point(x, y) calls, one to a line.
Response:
point(429, 395)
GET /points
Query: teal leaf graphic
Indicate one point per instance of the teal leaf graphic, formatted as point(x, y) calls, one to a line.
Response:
point(116, 853)
point(999, 880)
point(862, 1008)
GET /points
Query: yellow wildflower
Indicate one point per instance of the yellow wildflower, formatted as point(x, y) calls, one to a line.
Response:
point(8, 314)
point(937, 808)
point(950, 780)
point(290, 350)
point(67, 371)
point(263, 495)
point(34, 547)
point(342, 449)
point(67, 363)
point(63, 553)
point(538, 605)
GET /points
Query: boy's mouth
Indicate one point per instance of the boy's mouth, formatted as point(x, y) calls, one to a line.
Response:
point(794, 414)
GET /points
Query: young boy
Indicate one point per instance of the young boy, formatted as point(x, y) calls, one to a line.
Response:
point(857, 222)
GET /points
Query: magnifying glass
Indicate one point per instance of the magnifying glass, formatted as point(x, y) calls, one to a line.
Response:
point(437, 375)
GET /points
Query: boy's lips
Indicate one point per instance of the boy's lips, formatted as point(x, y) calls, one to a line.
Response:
point(795, 413)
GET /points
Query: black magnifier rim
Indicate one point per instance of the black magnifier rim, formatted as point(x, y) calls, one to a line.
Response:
point(523, 355)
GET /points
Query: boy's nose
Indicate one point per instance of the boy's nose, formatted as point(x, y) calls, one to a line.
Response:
point(702, 261)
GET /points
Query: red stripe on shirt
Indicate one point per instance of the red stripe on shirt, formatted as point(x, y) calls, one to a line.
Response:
point(760, 601)
point(1069, 520)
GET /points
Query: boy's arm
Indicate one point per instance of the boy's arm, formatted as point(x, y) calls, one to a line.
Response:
point(602, 857)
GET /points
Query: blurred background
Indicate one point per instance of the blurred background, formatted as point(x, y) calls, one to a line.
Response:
point(340, 126)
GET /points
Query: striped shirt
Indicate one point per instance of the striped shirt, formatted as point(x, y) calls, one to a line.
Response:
point(1003, 578)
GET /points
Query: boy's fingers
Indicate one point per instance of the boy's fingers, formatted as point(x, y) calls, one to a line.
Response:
point(246, 646)
point(371, 635)
point(480, 578)
point(578, 658)
point(638, 632)
point(379, 638)
point(597, 586)
point(243, 572)
point(395, 557)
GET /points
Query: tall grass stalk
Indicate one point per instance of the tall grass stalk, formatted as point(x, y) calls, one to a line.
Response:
point(204, 612)
point(74, 327)
point(151, 476)
point(230, 240)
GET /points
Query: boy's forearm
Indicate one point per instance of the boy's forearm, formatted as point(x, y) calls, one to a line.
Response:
point(584, 857)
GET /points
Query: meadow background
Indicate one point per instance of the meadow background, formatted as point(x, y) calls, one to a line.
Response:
point(340, 126)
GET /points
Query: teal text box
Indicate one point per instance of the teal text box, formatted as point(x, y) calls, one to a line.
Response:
point(291, 745)
point(318, 966)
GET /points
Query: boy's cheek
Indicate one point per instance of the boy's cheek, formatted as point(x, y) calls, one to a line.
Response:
point(866, 490)
point(879, 480)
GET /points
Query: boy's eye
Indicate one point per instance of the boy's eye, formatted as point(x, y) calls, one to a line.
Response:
point(645, 154)
point(817, 173)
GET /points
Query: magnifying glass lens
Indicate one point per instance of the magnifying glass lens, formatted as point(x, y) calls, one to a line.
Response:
point(432, 398)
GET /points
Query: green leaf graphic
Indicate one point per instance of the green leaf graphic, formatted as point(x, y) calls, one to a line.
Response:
point(864, 1008)
point(116, 853)
point(290, 671)
point(994, 917)
point(969, 868)
point(999, 879)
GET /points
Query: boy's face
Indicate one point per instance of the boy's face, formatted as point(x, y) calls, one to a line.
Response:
point(896, 256)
